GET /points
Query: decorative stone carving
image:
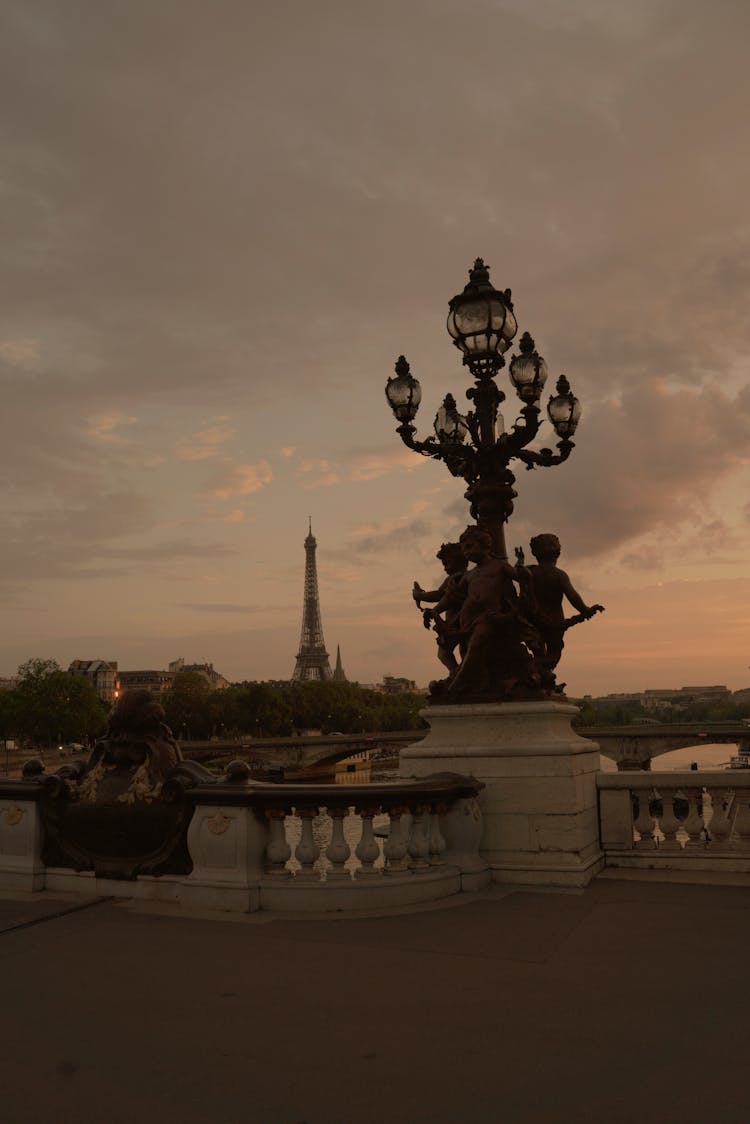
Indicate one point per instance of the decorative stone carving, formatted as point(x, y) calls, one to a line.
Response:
point(14, 815)
point(125, 811)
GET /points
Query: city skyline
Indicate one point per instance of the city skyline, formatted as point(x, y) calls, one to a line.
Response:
point(213, 258)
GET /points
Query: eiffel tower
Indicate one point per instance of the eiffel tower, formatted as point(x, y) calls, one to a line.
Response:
point(312, 657)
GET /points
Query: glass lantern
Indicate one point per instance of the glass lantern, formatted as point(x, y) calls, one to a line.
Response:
point(564, 410)
point(481, 319)
point(403, 392)
point(449, 424)
point(528, 371)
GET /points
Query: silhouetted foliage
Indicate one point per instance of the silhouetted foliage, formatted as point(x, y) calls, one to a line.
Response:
point(50, 705)
point(262, 710)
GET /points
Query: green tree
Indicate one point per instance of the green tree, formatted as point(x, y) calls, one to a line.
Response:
point(191, 706)
point(8, 714)
point(257, 710)
point(52, 705)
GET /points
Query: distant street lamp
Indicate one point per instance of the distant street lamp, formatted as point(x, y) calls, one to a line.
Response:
point(482, 323)
point(505, 621)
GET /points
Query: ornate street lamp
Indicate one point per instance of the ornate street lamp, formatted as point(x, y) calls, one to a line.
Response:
point(482, 324)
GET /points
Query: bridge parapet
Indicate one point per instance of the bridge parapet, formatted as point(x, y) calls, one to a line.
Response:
point(693, 824)
point(290, 848)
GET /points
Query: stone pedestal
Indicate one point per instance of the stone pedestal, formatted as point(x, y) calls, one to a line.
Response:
point(539, 805)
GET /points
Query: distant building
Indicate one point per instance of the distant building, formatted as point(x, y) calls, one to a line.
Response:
point(8, 684)
point(160, 681)
point(151, 680)
point(667, 698)
point(101, 674)
point(396, 685)
point(214, 679)
point(682, 698)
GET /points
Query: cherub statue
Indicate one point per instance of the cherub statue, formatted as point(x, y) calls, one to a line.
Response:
point(547, 586)
point(133, 759)
point(447, 598)
point(492, 628)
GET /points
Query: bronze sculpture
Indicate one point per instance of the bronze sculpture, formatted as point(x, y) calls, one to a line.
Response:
point(447, 598)
point(506, 622)
point(126, 810)
point(548, 585)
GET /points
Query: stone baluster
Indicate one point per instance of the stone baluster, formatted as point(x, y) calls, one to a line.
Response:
point(692, 825)
point(278, 851)
point(740, 836)
point(419, 845)
point(644, 823)
point(367, 850)
point(307, 850)
point(395, 845)
point(338, 850)
point(437, 840)
point(719, 826)
point(669, 823)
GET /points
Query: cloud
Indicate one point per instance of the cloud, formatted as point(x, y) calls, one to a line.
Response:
point(103, 427)
point(316, 473)
point(375, 463)
point(645, 464)
point(398, 538)
point(205, 443)
point(220, 607)
point(241, 480)
point(195, 579)
point(21, 352)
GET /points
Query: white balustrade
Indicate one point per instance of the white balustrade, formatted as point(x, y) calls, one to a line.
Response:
point(418, 846)
point(740, 836)
point(719, 825)
point(702, 821)
point(693, 825)
point(307, 850)
point(437, 840)
point(278, 851)
point(395, 849)
point(669, 825)
point(367, 850)
point(338, 850)
point(337, 841)
point(644, 824)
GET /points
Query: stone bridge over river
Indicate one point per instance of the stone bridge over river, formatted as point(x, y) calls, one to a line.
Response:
point(630, 747)
point(634, 747)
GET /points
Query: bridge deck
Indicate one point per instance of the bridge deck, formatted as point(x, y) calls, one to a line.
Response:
point(518, 1006)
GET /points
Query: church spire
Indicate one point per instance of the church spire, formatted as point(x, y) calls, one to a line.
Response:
point(338, 674)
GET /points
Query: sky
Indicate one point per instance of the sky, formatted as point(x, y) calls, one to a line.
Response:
point(221, 223)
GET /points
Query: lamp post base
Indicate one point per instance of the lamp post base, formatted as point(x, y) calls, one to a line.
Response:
point(539, 804)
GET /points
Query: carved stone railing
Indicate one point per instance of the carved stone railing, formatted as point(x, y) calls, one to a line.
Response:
point(689, 822)
point(297, 848)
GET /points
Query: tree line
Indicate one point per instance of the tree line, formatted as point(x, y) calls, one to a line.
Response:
point(629, 712)
point(50, 706)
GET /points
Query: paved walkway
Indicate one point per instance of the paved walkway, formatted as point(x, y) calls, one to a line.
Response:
point(623, 1004)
